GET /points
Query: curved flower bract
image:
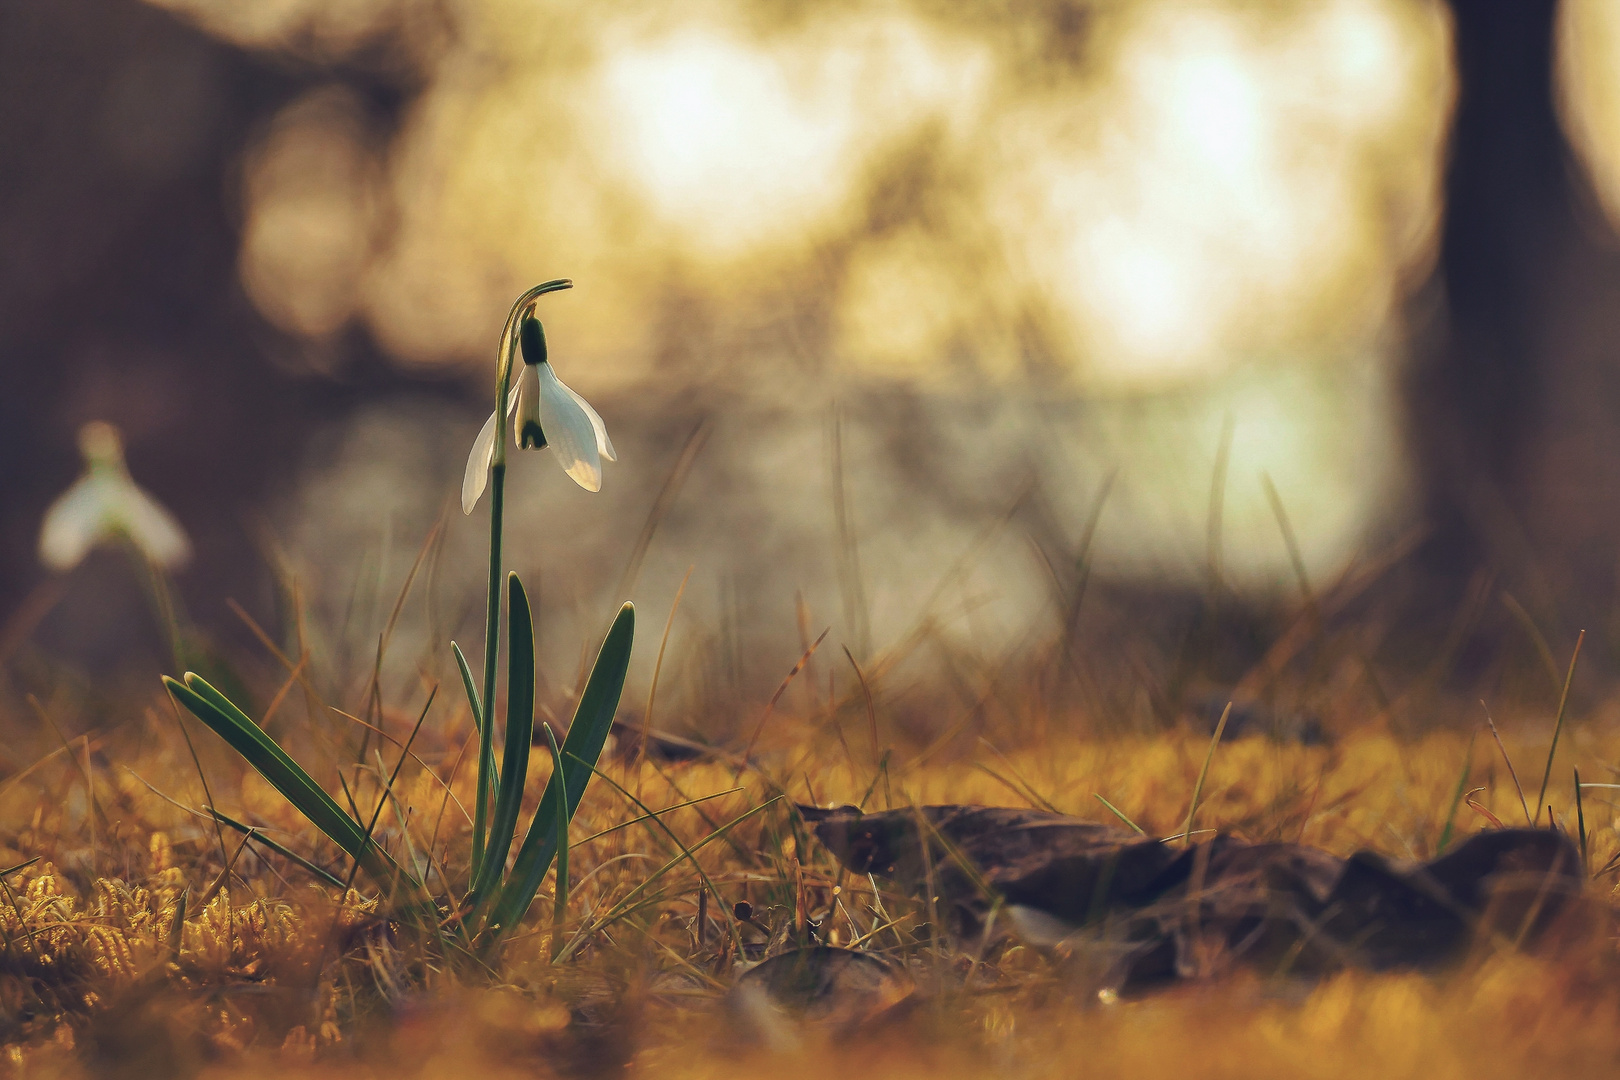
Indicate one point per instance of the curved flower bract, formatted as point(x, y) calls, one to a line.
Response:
point(106, 504)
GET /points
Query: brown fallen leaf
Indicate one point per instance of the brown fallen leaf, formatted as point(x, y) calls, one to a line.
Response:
point(1150, 912)
point(1063, 865)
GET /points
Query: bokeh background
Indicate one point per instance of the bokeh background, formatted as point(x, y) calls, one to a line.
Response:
point(885, 302)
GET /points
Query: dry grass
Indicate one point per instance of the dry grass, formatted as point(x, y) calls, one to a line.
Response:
point(273, 975)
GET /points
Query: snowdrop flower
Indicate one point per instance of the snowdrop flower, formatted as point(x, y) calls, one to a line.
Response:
point(105, 504)
point(546, 413)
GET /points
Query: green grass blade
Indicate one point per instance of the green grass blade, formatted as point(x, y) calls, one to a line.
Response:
point(649, 815)
point(287, 777)
point(1457, 796)
point(580, 750)
point(261, 751)
point(559, 908)
point(686, 854)
point(1580, 819)
point(1203, 774)
point(468, 685)
point(1117, 812)
point(1558, 727)
point(258, 837)
point(519, 736)
point(638, 819)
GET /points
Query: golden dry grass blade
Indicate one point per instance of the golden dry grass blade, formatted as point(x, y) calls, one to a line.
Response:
point(770, 706)
point(658, 665)
point(667, 494)
point(1512, 773)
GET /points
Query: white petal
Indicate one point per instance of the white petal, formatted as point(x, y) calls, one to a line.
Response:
point(603, 443)
point(478, 463)
point(150, 527)
point(73, 525)
point(103, 505)
point(569, 431)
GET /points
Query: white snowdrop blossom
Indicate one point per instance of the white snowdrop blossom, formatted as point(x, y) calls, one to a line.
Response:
point(547, 414)
point(104, 505)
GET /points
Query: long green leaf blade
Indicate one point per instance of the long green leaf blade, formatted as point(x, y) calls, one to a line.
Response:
point(580, 750)
point(472, 690)
point(288, 777)
point(519, 736)
point(559, 907)
point(262, 752)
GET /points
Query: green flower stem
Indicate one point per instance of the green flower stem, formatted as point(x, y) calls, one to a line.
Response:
point(487, 778)
point(505, 355)
point(492, 647)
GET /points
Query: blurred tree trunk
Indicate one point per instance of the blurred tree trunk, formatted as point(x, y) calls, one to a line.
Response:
point(1510, 391)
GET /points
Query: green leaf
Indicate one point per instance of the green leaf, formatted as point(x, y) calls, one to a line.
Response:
point(287, 777)
point(519, 736)
point(559, 907)
point(468, 685)
point(258, 837)
point(580, 750)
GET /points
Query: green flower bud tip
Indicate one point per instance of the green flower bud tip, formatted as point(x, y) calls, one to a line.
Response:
point(532, 337)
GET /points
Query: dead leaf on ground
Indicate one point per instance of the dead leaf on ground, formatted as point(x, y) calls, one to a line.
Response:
point(1148, 911)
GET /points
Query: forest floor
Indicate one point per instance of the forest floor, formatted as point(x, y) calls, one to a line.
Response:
point(141, 938)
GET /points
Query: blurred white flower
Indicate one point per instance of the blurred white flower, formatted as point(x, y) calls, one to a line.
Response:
point(547, 413)
point(105, 504)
